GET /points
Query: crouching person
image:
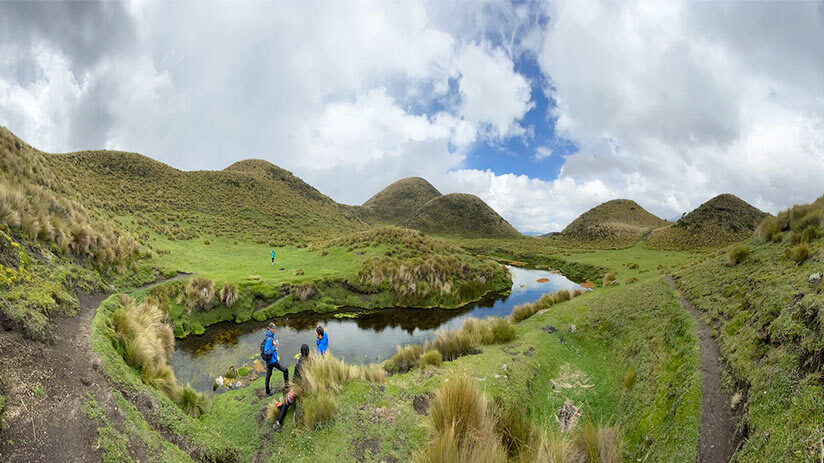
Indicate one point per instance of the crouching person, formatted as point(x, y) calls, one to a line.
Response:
point(290, 397)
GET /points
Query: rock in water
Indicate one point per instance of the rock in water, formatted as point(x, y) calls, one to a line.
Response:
point(219, 381)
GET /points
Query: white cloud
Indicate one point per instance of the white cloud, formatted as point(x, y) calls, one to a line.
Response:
point(541, 153)
point(491, 91)
point(674, 102)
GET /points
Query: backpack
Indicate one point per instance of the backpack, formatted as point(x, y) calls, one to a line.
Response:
point(266, 357)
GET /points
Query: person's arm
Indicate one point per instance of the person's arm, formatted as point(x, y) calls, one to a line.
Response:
point(269, 348)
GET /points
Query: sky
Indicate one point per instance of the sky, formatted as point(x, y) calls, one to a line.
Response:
point(543, 109)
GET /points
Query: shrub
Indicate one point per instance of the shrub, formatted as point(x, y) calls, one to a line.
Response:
point(798, 253)
point(502, 331)
point(609, 277)
point(431, 357)
point(193, 403)
point(738, 254)
point(228, 295)
point(516, 432)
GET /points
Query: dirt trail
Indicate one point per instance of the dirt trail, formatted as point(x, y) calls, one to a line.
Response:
point(48, 387)
point(716, 436)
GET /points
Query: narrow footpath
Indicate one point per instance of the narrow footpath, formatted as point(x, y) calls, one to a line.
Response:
point(716, 435)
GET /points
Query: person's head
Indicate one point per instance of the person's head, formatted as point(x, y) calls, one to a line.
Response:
point(304, 350)
point(271, 327)
point(319, 331)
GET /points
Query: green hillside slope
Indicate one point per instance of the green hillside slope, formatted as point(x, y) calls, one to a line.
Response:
point(460, 214)
point(719, 222)
point(616, 223)
point(397, 202)
point(766, 307)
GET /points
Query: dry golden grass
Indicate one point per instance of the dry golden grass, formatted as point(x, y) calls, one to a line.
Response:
point(523, 311)
point(430, 358)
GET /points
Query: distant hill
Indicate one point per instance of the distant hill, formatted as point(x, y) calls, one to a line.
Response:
point(251, 199)
point(397, 202)
point(616, 223)
point(720, 221)
point(460, 214)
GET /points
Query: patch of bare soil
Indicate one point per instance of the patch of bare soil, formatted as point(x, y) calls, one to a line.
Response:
point(420, 403)
point(716, 441)
point(530, 352)
point(372, 444)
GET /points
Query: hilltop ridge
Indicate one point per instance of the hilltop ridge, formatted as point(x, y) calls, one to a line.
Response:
point(460, 214)
point(722, 220)
point(398, 201)
point(615, 223)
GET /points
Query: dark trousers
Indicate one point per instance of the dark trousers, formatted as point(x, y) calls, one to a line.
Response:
point(277, 366)
point(283, 409)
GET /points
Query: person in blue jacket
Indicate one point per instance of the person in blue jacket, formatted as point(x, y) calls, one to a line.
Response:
point(272, 255)
point(270, 349)
point(322, 341)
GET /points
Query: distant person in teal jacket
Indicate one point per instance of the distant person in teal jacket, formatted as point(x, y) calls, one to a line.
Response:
point(272, 255)
point(323, 340)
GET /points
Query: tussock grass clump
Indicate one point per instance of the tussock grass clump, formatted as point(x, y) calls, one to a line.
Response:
point(798, 253)
point(453, 344)
point(228, 295)
point(198, 294)
point(322, 377)
point(41, 215)
point(193, 403)
point(406, 358)
point(493, 330)
point(304, 291)
point(523, 311)
point(147, 344)
point(769, 230)
point(463, 428)
point(738, 254)
point(318, 410)
point(431, 357)
point(609, 277)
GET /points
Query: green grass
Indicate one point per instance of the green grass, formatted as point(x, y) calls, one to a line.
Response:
point(650, 263)
point(766, 316)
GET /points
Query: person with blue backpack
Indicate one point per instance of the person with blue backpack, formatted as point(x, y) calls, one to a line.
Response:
point(269, 353)
point(323, 340)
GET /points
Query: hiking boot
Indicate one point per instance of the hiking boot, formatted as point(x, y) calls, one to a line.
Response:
point(277, 427)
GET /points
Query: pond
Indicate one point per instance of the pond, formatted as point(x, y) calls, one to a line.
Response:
point(355, 336)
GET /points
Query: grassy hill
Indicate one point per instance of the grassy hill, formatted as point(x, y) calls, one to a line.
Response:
point(763, 299)
point(460, 214)
point(614, 224)
point(253, 199)
point(719, 222)
point(397, 202)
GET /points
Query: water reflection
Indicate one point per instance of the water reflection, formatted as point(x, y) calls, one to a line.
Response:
point(354, 335)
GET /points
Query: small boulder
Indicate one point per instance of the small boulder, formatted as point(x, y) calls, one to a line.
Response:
point(573, 328)
point(815, 278)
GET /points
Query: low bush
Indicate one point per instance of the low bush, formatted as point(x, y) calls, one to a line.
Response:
point(798, 253)
point(431, 357)
point(738, 254)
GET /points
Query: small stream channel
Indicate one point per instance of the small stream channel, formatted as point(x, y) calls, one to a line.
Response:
point(358, 338)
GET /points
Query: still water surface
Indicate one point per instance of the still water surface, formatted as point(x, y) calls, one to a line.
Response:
point(370, 337)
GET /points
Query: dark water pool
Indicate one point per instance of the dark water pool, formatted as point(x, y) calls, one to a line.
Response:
point(359, 339)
